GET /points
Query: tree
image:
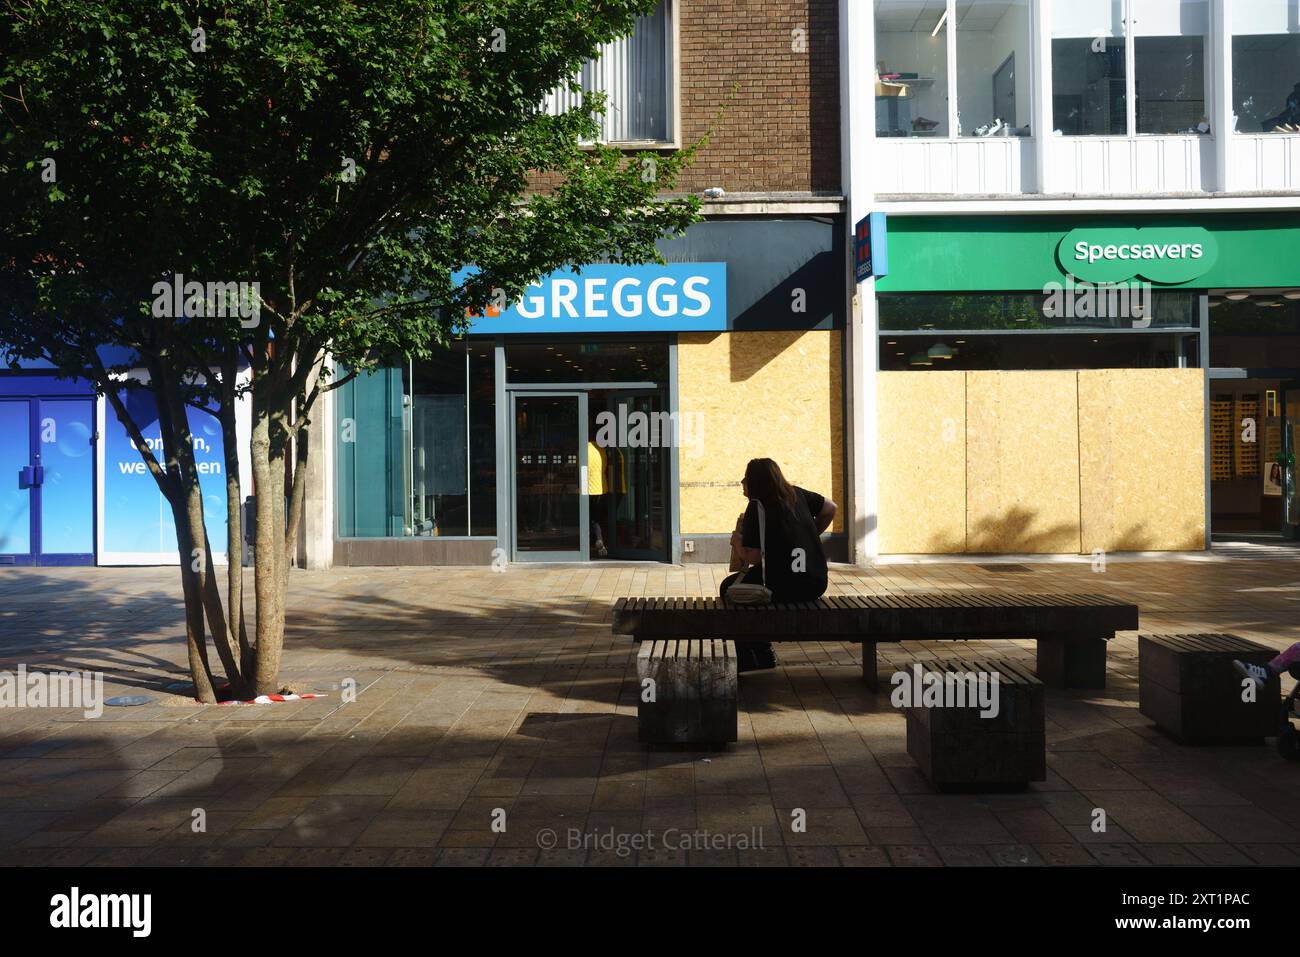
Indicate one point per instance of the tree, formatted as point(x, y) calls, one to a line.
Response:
point(337, 164)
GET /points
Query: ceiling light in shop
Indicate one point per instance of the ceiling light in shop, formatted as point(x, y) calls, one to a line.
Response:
point(1236, 296)
point(940, 351)
point(921, 359)
point(1292, 294)
point(939, 26)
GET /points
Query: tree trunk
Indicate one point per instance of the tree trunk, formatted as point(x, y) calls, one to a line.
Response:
point(195, 640)
point(236, 624)
point(198, 550)
point(268, 548)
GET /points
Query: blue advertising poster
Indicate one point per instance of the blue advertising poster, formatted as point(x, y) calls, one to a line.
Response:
point(137, 521)
point(677, 297)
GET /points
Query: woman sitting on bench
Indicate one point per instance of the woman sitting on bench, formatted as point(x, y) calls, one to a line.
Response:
point(796, 564)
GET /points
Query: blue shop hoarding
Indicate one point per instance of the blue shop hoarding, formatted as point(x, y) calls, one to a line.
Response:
point(604, 297)
point(730, 274)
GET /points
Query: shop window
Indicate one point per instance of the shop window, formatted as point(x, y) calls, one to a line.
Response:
point(1042, 351)
point(1266, 66)
point(635, 74)
point(912, 68)
point(1097, 43)
point(643, 360)
point(417, 447)
point(994, 77)
point(1260, 331)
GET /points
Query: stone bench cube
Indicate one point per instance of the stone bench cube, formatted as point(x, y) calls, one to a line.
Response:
point(686, 692)
point(1188, 687)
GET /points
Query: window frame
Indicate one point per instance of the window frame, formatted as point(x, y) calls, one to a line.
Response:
point(672, 51)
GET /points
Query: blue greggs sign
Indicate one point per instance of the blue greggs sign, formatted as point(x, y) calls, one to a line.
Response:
point(605, 297)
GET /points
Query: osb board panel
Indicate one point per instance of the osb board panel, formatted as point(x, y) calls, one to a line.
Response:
point(758, 395)
point(921, 462)
point(1142, 459)
point(1022, 462)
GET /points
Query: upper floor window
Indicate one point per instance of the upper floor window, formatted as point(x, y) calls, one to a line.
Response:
point(989, 48)
point(1266, 66)
point(912, 68)
point(1120, 68)
point(635, 73)
point(994, 74)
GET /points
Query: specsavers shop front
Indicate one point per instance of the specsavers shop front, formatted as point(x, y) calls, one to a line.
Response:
point(606, 415)
point(1087, 384)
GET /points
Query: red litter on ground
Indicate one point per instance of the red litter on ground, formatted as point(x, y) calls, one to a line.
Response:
point(274, 698)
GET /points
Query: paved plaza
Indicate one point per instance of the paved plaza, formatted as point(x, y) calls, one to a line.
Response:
point(495, 724)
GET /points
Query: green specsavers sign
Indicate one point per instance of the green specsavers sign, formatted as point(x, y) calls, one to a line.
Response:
point(1164, 254)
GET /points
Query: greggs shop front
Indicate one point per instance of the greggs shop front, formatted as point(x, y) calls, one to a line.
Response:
point(609, 413)
point(1087, 384)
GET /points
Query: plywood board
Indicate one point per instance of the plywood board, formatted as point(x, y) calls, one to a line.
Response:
point(921, 462)
point(1022, 462)
point(1142, 459)
point(758, 394)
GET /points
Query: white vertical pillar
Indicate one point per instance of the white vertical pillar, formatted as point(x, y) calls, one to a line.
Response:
point(950, 40)
point(857, 144)
point(318, 493)
point(1042, 120)
point(1130, 69)
point(1221, 105)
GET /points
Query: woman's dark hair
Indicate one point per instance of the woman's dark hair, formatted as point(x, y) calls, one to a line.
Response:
point(765, 482)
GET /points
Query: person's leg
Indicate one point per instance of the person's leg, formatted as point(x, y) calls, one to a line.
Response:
point(750, 655)
point(1286, 659)
point(1261, 674)
point(727, 583)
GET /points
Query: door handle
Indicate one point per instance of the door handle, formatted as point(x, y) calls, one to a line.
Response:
point(25, 477)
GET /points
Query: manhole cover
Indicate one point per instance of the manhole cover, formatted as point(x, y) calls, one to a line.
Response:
point(128, 701)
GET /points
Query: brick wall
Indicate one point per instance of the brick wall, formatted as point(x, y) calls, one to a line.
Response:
point(780, 131)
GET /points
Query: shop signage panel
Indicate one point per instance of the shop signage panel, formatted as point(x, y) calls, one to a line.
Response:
point(870, 248)
point(677, 297)
point(1164, 254)
point(1004, 253)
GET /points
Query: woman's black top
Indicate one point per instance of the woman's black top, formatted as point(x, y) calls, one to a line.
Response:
point(796, 564)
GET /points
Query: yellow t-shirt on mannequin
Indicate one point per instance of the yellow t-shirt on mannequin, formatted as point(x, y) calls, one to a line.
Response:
point(595, 469)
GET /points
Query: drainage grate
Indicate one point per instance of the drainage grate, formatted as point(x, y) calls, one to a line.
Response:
point(1005, 568)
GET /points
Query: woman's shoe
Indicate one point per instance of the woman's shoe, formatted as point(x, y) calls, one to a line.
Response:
point(1256, 673)
point(755, 656)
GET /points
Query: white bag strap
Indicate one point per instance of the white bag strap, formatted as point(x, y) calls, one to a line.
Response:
point(762, 542)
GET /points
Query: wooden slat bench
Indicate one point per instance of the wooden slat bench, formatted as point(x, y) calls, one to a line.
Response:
point(1071, 630)
point(962, 747)
point(686, 692)
point(1187, 685)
